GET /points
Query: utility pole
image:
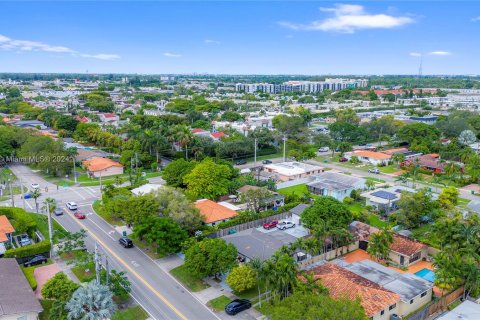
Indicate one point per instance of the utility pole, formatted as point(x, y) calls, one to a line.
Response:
point(50, 235)
point(255, 154)
point(108, 269)
point(284, 148)
point(97, 264)
point(23, 196)
point(100, 181)
point(11, 192)
point(74, 168)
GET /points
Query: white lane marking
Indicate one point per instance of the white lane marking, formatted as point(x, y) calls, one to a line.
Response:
point(135, 263)
point(79, 194)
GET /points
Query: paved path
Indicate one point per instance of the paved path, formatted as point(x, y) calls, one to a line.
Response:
point(42, 275)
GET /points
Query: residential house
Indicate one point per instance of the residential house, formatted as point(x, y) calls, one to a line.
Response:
point(109, 119)
point(370, 157)
point(216, 136)
point(414, 291)
point(35, 124)
point(214, 213)
point(274, 201)
point(378, 302)
point(102, 167)
point(406, 153)
point(403, 251)
point(336, 185)
point(6, 229)
point(385, 200)
point(287, 171)
point(253, 243)
point(467, 310)
point(17, 300)
point(430, 162)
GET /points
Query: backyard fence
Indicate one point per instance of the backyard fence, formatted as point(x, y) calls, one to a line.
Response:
point(329, 255)
point(437, 306)
point(249, 225)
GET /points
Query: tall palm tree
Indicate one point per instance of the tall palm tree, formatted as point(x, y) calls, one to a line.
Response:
point(52, 205)
point(35, 195)
point(91, 302)
point(257, 265)
point(183, 136)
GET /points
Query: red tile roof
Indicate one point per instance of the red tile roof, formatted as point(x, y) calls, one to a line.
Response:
point(342, 283)
point(218, 135)
point(99, 164)
point(406, 246)
point(5, 227)
point(197, 130)
point(213, 212)
point(372, 154)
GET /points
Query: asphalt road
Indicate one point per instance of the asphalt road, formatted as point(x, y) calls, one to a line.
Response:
point(162, 296)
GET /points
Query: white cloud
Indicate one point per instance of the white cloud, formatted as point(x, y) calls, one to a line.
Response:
point(440, 53)
point(28, 45)
point(348, 18)
point(415, 54)
point(476, 19)
point(172, 55)
point(210, 41)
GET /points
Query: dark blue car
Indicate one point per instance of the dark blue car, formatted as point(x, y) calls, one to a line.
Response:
point(27, 195)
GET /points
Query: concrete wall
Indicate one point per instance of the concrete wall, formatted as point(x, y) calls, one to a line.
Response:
point(29, 316)
point(108, 172)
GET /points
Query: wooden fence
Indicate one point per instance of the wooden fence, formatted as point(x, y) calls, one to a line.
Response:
point(249, 225)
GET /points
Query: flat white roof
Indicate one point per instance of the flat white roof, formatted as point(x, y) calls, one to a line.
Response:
point(229, 205)
point(292, 168)
point(146, 188)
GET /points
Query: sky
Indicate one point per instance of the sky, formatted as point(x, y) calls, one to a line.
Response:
point(241, 37)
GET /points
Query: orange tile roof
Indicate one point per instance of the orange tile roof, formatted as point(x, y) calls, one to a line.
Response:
point(98, 164)
point(372, 154)
point(213, 211)
point(342, 283)
point(406, 246)
point(5, 227)
point(392, 151)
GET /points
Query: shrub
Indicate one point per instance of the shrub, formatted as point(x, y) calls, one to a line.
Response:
point(59, 288)
point(28, 272)
point(28, 251)
point(347, 200)
point(22, 221)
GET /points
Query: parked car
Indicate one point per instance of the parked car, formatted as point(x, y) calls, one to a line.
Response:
point(58, 212)
point(324, 149)
point(282, 225)
point(72, 205)
point(79, 215)
point(267, 161)
point(237, 305)
point(24, 240)
point(38, 259)
point(125, 242)
point(27, 195)
point(374, 170)
point(270, 224)
point(240, 162)
point(343, 159)
point(35, 186)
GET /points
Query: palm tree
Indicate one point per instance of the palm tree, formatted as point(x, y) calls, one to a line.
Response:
point(257, 265)
point(369, 184)
point(403, 178)
point(91, 302)
point(118, 181)
point(451, 169)
point(311, 285)
point(398, 158)
point(35, 195)
point(183, 137)
point(52, 205)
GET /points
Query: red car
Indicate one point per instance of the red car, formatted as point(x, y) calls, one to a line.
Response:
point(343, 159)
point(270, 224)
point(79, 215)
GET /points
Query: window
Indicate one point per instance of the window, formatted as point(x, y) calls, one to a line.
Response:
point(423, 294)
point(393, 306)
point(22, 318)
point(411, 301)
point(382, 312)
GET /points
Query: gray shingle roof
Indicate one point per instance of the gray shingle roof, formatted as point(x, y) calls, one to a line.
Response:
point(16, 295)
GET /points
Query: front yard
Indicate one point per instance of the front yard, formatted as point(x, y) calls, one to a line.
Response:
point(187, 279)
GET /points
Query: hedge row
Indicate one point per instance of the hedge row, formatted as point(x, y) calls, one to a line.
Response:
point(28, 272)
point(28, 251)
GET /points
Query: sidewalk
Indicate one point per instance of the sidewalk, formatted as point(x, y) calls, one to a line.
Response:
point(65, 268)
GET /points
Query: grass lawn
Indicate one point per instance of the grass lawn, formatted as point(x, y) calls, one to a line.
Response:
point(375, 221)
point(99, 209)
point(28, 272)
point(374, 179)
point(47, 305)
point(132, 313)
point(355, 207)
point(389, 169)
point(84, 276)
point(424, 233)
point(218, 304)
point(299, 190)
point(42, 226)
point(463, 201)
point(186, 278)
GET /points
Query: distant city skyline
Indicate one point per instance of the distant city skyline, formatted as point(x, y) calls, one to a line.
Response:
point(271, 37)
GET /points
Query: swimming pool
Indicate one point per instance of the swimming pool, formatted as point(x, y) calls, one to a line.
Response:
point(426, 274)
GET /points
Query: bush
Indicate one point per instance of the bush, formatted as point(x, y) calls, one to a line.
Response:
point(28, 251)
point(59, 288)
point(28, 272)
point(22, 221)
point(347, 200)
point(242, 278)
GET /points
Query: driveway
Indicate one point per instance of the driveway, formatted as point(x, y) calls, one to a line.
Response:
point(42, 275)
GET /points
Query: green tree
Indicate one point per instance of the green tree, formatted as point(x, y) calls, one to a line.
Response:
point(326, 210)
point(91, 301)
point(308, 306)
point(242, 278)
point(176, 170)
point(347, 115)
point(165, 233)
point(59, 288)
point(448, 198)
point(210, 257)
point(413, 206)
point(379, 244)
point(208, 179)
point(35, 195)
point(118, 283)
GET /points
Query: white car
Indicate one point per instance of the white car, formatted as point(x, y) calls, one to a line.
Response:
point(35, 186)
point(72, 205)
point(324, 149)
point(285, 224)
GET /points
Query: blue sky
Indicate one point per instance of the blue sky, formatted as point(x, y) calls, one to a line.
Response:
point(267, 37)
